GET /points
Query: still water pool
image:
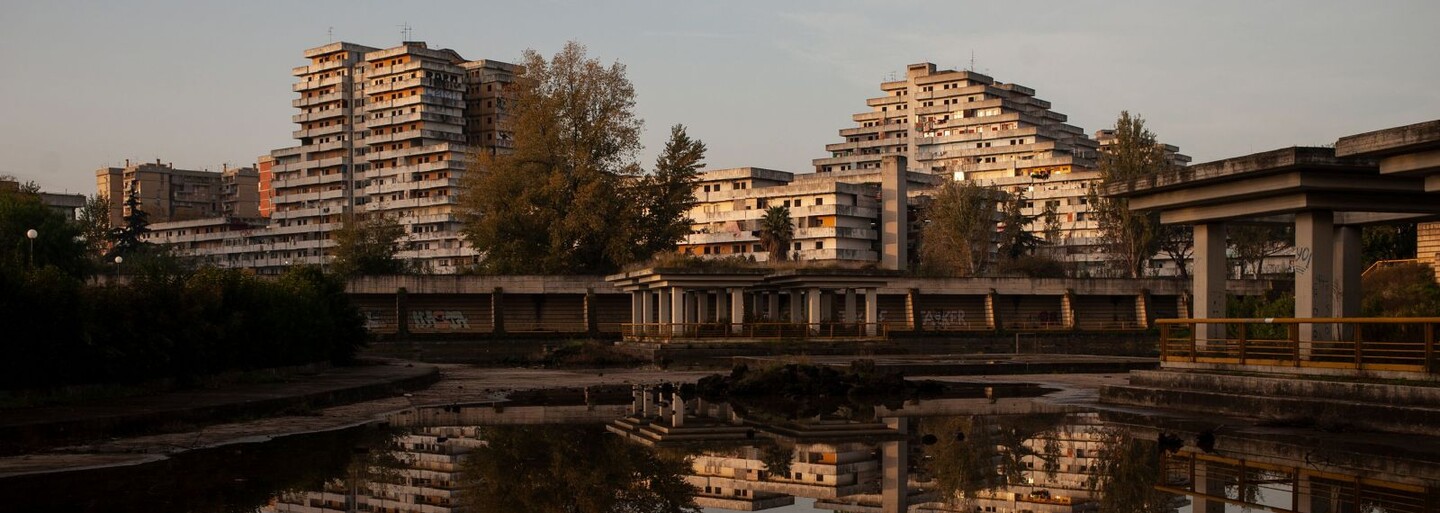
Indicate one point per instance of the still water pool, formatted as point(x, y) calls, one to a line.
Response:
point(975, 449)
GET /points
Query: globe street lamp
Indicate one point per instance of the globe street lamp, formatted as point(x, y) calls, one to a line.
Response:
point(32, 234)
point(118, 260)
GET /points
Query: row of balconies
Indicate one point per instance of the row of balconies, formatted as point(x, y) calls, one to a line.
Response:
point(318, 100)
point(317, 67)
point(319, 131)
point(412, 186)
point(428, 99)
point(306, 85)
point(410, 117)
point(387, 86)
point(305, 117)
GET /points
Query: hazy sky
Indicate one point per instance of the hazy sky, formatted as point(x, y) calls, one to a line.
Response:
point(767, 84)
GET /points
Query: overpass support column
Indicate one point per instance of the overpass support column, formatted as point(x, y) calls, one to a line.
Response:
point(737, 310)
point(895, 469)
point(402, 312)
point(872, 312)
point(772, 306)
point(797, 314)
point(1346, 273)
point(912, 310)
point(850, 306)
point(992, 310)
point(497, 311)
point(827, 307)
point(677, 310)
point(637, 312)
point(1209, 280)
point(812, 303)
point(1314, 283)
point(663, 310)
point(1067, 310)
point(702, 306)
point(592, 325)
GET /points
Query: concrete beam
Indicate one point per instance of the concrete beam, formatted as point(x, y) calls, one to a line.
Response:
point(1421, 162)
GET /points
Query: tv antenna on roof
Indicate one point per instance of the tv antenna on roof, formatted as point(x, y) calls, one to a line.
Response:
point(405, 31)
point(330, 33)
point(972, 61)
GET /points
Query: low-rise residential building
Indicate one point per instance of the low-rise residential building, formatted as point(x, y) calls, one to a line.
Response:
point(167, 194)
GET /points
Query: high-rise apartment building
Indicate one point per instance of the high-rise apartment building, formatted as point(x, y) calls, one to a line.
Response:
point(168, 194)
point(967, 126)
point(386, 132)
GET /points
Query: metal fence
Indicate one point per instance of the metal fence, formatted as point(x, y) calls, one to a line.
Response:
point(1404, 344)
point(665, 331)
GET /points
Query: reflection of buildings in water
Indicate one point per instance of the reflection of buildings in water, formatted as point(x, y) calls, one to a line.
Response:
point(1055, 463)
point(420, 475)
point(1270, 482)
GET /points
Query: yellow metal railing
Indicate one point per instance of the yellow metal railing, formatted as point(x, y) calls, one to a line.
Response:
point(664, 331)
point(1405, 344)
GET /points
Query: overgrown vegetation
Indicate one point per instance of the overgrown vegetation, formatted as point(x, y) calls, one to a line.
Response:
point(168, 322)
point(1131, 238)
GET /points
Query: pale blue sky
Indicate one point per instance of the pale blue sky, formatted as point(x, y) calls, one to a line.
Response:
point(86, 84)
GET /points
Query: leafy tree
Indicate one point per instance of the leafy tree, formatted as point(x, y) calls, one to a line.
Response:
point(128, 239)
point(1387, 242)
point(1015, 239)
point(368, 247)
point(94, 219)
point(777, 230)
point(1401, 290)
point(958, 236)
point(1177, 241)
point(1253, 243)
point(554, 204)
point(1051, 218)
point(664, 199)
point(55, 244)
point(576, 468)
point(1132, 238)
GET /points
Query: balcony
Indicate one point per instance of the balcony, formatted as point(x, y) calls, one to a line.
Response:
point(317, 100)
point(319, 131)
point(306, 85)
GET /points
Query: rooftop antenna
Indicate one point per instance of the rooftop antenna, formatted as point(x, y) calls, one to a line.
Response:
point(972, 61)
point(330, 34)
point(405, 31)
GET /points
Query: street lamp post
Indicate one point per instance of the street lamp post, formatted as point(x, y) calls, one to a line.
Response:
point(118, 260)
point(32, 234)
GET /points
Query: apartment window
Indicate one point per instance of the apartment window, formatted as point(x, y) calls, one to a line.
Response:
point(819, 201)
point(819, 244)
point(797, 246)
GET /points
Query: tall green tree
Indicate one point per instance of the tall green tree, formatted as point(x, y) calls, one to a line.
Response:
point(555, 203)
point(1016, 240)
point(1177, 241)
point(663, 199)
point(958, 236)
point(1387, 242)
point(368, 247)
point(128, 239)
point(1131, 238)
point(777, 231)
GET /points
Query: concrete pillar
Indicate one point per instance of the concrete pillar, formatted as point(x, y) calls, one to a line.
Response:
point(827, 308)
point(1208, 283)
point(722, 305)
point(497, 311)
point(894, 221)
point(992, 310)
point(796, 301)
point(772, 306)
point(1314, 284)
point(812, 309)
point(872, 312)
point(665, 408)
point(647, 307)
point(647, 402)
point(1303, 500)
point(1346, 273)
point(592, 325)
point(1205, 484)
point(677, 310)
point(912, 310)
point(678, 405)
point(702, 306)
point(662, 316)
point(637, 310)
point(637, 400)
point(850, 306)
point(737, 310)
point(1144, 314)
point(1067, 309)
point(402, 312)
point(895, 469)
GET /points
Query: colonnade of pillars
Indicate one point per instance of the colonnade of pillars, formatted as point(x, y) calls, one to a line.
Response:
point(664, 402)
point(679, 306)
point(1327, 274)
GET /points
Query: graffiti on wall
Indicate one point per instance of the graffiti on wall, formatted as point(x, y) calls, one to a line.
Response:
point(373, 319)
point(940, 320)
point(438, 320)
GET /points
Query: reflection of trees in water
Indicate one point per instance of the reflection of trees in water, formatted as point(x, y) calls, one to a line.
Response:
point(986, 453)
point(1125, 475)
point(578, 469)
